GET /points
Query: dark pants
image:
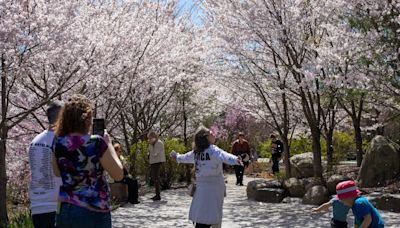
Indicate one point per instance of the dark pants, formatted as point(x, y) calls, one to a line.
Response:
point(338, 224)
point(239, 171)
point(133, 189)
point(275, 162)
point(199, 225)
point(80, 217)
point(155, 176)
point(45, 220)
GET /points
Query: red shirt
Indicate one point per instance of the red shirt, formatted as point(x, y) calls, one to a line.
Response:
point(240, 148)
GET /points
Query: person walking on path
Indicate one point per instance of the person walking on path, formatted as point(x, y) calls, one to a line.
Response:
point(80, 159)
point(276, 153)
point(156, 159)
point(44, 185)
point(208, 198)
point(241, 148)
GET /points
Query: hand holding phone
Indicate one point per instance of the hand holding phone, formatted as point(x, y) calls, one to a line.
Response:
point(98, 127)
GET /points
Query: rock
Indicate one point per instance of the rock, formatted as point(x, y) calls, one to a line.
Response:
point(333, 181)
point(270, 195)
point(254, 185)
point(293, 200)
point(119, 192)
point(316, 195)
point(301, 165)
point(294, 187)
point(387, 202)
point(380, 163)
point(311, 182)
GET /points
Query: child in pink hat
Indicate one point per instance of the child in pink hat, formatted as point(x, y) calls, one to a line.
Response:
point(365, 214)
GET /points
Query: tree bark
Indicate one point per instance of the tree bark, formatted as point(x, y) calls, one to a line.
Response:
point(358, 139)
point(4, 130)
point(329, 148)
point(316, 146)
point(286, 158)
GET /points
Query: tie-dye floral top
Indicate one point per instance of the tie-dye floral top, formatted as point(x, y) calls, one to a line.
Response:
point(84, 184)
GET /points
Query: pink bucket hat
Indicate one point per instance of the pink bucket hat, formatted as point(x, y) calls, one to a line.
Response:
point(347, 189)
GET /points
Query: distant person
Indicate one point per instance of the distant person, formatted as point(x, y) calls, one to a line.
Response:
point(365, 215)
point(132, 183)
point(81, 158)
point(44, 185)
point(339, 212)
point(241, 148)
point(276, 153)
point(156, 159)
point(208, 197)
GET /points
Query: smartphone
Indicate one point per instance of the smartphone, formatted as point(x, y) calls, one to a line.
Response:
point(98, 126)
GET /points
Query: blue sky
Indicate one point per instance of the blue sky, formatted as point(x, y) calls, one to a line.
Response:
point(188, 4)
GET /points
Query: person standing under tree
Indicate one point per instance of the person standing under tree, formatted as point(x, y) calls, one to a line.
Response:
point(44, 185)
point(156, 158)
point(241, 148)
point(276, 151)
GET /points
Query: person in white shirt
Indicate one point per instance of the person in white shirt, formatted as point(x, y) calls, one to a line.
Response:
point(44, 185)
point(208, 198)
point(156, 159)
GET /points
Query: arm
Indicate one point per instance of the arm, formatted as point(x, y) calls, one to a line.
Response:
point(185, 158)
point(367, 221)
point(323, 207)
point(227, 158)
point(56, 170)
point(112, 164)
point(110, 161)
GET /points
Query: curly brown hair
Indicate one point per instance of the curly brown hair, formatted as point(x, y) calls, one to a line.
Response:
point(75, 117)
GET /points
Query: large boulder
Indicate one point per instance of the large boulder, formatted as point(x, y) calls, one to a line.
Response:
point(381, 163)
point(312, 181)
point(294, 187)
point(254, 185)
point(387, 202)
point(316, 195)
point(301, 165)
point(270, 195)
point(333, 181)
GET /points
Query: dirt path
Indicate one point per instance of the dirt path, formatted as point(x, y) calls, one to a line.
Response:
point(172, 211)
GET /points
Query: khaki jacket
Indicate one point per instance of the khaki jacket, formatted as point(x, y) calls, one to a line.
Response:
point(157, 153)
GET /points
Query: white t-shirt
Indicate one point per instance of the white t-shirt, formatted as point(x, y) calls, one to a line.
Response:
point(44, 186)
point(209, 162)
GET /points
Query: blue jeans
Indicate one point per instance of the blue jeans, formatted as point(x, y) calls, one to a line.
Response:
point(45, 220)
point(80, 217)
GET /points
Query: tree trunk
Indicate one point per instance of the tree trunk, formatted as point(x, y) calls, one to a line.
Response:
point(188, 173)
point(286, 158)
point(132, 169)
point(358, 139)
point(316, 146)
point(4, 130)
point(329, 148)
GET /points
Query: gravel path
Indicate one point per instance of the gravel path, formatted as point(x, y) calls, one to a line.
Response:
point(172, 211)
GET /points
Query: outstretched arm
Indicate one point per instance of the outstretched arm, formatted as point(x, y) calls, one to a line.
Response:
point(323, 207)
point(185, 158)
point(228, 158)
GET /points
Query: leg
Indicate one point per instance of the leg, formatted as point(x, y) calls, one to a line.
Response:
point(101, 220)
point(45, 220)
point(241, 175)
point(199, 225)
point(275, 164)
point(155, 176)
point(237, 173)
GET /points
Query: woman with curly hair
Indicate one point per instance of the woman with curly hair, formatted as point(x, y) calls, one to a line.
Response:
point(80, 159)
